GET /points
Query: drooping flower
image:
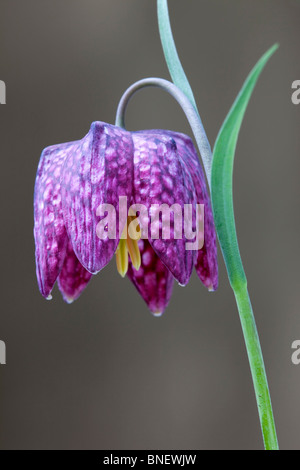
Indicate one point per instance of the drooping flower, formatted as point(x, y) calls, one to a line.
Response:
point(148, 168)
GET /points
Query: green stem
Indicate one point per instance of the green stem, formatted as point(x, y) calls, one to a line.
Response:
point(170, 52)
point(221, 191)
point(257, 367)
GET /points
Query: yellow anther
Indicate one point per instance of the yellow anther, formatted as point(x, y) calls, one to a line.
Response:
point(122, 258)
point(129, 244)
point(134, 252)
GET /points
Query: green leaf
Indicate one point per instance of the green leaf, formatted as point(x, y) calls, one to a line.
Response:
point(221, 178)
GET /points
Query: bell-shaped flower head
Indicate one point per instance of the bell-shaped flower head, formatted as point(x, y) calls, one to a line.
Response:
point(90, 192)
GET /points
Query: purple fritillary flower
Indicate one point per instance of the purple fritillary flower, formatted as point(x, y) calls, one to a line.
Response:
point(148, 167)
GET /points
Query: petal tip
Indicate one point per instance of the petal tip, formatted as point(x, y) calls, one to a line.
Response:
point(212, 287)
point(157, 313)
point(49, 297)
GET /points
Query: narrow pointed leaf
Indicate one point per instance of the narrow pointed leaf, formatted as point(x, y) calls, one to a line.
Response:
point(221, 178)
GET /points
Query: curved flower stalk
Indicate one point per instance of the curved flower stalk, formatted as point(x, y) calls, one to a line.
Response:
point(221, 193)
point(191, 113)
point(79, 182)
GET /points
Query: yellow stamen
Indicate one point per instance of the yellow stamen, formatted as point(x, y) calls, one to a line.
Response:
point(129, 244)
point(122, 258)
point(134, 252)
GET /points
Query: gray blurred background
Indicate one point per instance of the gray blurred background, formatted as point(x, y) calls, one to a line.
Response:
point(103, 373)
